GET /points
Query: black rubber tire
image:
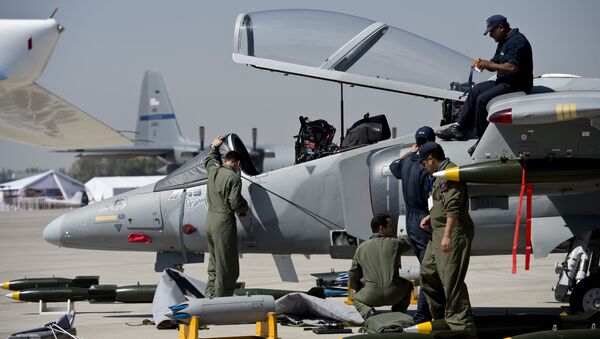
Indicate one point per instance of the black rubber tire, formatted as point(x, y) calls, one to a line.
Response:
point(586, 295)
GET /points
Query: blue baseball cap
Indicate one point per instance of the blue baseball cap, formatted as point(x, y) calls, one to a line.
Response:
point(429, 147)
point(424, 134)
point(493, 21)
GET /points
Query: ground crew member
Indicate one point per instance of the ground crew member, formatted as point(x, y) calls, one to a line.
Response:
point(513, 64)
point(446, 260)
point(416, 186)
point(224, 200)
point(374, 274)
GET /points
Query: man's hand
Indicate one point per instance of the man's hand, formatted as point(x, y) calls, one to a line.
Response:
point(484, 64)
point(426, 223)
point(446, 244)
point(217, 142)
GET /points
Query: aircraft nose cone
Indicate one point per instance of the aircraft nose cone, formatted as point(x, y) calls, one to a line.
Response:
point(53, 231)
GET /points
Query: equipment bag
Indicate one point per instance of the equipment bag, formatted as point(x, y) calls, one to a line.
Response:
point(389, 322)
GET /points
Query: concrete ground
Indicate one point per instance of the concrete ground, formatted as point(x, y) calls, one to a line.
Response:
point(23, 253)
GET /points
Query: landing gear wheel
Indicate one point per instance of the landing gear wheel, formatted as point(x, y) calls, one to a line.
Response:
point(586, 295)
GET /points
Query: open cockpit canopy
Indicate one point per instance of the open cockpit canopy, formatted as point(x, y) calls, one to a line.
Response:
point(349, 49)
point(193, 173)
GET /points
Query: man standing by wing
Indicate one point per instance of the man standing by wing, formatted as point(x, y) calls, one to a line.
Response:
point(224, 200)
point(447, 256)
point(416, 185)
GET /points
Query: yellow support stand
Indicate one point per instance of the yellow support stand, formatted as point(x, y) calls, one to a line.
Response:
point(348, 300)
point(268, 328)
point(413, 294)
point(189, 331)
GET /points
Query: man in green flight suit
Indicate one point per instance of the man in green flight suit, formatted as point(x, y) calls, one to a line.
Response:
point(446, 259)
point(224, 200)
point(375, 275)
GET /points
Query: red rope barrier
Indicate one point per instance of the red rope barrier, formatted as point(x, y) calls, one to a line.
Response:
point(518, 222)
point(528, 227)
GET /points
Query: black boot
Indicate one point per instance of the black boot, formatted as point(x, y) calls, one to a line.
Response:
point(455, 131)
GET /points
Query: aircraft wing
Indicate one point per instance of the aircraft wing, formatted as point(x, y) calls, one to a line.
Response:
point(35, 116)
point(550, 134)
point(558, 120)
point(351, 50)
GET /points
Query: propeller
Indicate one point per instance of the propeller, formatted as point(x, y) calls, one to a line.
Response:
point(201, 138)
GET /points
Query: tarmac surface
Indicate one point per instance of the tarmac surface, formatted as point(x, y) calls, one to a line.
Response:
point(24, 253)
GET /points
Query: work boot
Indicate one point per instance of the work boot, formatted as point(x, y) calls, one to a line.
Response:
point(455, 131)
point(371, 313)
point(471, 149)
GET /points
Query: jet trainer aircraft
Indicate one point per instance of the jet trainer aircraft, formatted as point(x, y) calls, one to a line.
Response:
point(31, 114)
point(323, 206)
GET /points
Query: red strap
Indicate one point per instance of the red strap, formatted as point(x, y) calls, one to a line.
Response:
point(528, 227)
point(518, 222)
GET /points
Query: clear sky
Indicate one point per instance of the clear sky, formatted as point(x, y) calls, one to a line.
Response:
point(107, 46)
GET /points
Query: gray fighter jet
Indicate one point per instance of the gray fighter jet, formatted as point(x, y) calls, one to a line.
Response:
point(323, 206)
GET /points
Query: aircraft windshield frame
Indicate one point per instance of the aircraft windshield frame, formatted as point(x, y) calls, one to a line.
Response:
point(349, 49)
point(190, 174)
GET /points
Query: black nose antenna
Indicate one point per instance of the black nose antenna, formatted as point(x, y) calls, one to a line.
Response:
point(53, 13)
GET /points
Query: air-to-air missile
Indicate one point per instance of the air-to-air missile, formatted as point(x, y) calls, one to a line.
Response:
point(537, 171)
point(224, 310)
point(95, 293)
point(26, 283)
point(501, 326)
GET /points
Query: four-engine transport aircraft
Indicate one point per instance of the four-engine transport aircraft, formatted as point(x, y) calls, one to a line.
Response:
point(31, 114)
point(158, 134)
point(324, 205)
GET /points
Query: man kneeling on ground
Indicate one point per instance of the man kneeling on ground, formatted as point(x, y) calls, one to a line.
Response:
point(374, 274)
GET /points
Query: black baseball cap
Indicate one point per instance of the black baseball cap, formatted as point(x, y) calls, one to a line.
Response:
point(424, 134)
point(494, 21)
point(428, 148)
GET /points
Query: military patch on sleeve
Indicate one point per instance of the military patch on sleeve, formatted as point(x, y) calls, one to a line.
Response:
point(444, 187)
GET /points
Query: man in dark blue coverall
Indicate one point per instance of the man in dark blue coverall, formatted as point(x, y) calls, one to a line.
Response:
point(416, 186)
point(513, 64)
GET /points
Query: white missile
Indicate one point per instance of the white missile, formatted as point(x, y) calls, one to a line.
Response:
point(224, 310)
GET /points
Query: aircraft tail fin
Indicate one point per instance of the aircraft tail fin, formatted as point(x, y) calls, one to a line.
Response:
point(156, 123)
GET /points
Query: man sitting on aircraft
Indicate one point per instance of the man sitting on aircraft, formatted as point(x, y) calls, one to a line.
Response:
point(224, 200)
point(374, 274)
point(446, 260)
point(513, 62)
point(416, 185)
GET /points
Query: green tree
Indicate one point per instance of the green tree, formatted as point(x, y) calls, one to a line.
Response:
point(6, 175)
point(86, 168)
